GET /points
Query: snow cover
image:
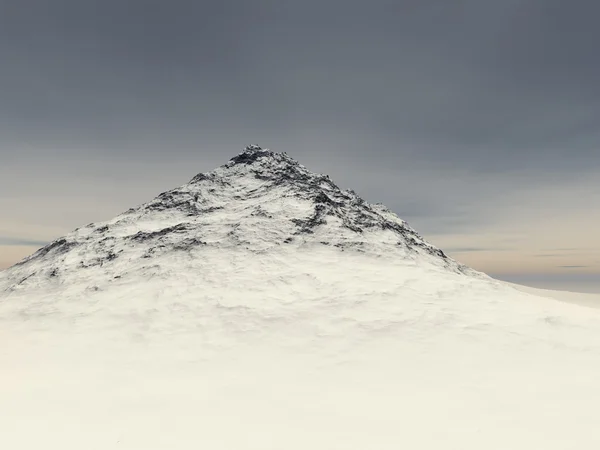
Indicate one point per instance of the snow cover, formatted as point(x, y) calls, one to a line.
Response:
point(261, 307)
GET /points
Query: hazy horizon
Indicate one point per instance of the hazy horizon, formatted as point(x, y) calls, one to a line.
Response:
point(475, 121)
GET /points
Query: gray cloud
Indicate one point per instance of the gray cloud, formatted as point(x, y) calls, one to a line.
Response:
point(483, 84)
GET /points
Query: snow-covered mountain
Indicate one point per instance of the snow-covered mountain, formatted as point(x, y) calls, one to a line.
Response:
point(260, 202)
point(261, 307)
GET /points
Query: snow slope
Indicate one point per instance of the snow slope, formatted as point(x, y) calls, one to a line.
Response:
point(578, 298)
point(261, 307)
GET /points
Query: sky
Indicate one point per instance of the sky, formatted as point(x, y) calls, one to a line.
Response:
point(477, 121)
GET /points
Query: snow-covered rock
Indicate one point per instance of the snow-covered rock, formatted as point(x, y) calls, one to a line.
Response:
point(259, 202)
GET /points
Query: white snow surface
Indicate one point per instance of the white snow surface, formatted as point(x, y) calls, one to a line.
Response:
point(261, 307)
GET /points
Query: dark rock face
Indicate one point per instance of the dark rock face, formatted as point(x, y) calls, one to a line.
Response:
point(188, 244)
point(56, 248)
point(175, 199)
point(323, 198)
point(143, 236)
point(251, 154)
point(308, 225)
point(60, 246)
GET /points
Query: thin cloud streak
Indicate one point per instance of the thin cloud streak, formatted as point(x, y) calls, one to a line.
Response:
point(10, 241)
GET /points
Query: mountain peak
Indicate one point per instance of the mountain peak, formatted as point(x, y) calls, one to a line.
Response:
point(261, 164)
point(254, 148)
point(254, 153)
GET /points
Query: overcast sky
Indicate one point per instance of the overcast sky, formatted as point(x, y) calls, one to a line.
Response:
point(478, 121)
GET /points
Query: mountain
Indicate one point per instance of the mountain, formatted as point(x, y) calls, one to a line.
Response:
point(260, 307)
point(259, 202)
